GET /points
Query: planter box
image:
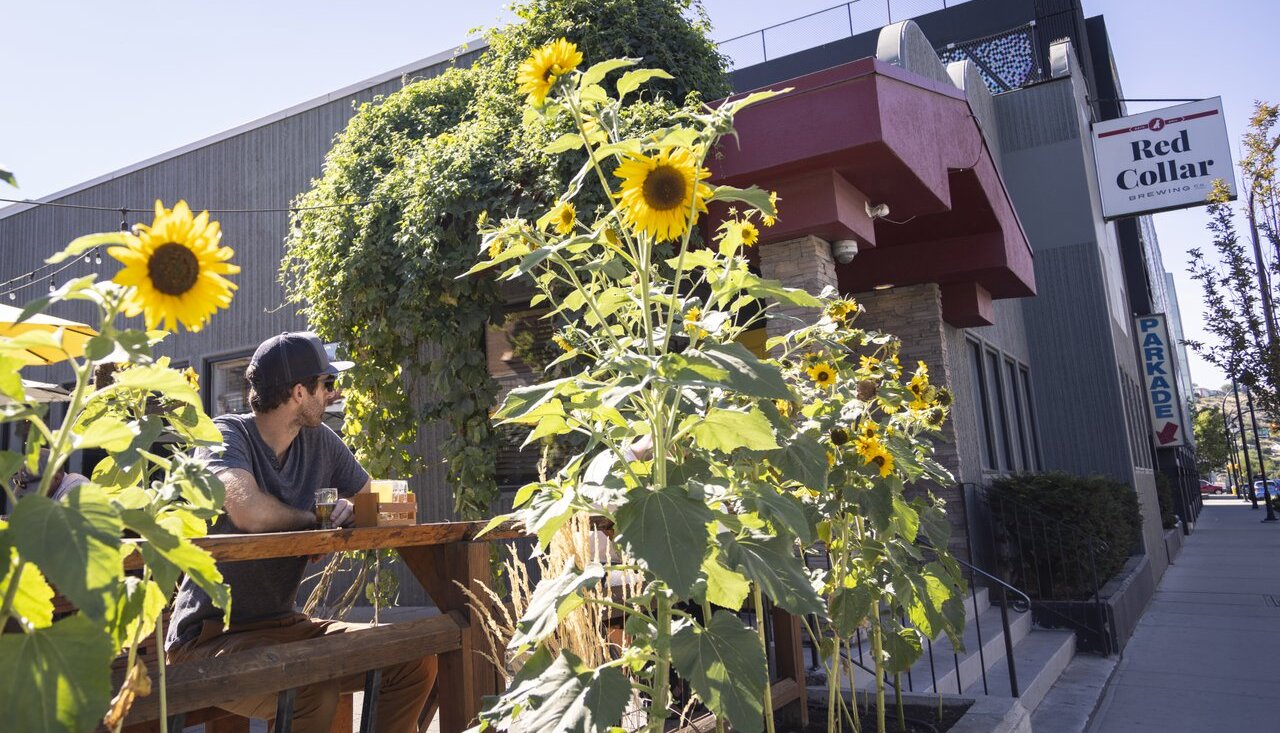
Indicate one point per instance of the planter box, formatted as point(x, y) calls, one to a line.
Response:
point(1104, 627)
point(981, 715)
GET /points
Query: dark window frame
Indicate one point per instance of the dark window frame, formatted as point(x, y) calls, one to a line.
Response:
point(987, 443)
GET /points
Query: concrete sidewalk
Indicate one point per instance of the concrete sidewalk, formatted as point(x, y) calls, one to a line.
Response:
point(1206, 655)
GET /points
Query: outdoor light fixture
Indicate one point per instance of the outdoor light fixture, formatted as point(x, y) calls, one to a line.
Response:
point(844, 250)
point(883, 286)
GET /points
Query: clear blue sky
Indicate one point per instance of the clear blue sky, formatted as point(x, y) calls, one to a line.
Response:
point(89, 87)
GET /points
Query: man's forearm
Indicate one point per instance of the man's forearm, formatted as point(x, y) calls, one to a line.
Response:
point(255, 511)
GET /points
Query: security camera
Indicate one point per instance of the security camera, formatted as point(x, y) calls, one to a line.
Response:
point(879, 211)
point(844, 250)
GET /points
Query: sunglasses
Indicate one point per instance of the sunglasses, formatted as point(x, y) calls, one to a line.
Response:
point(331, 383)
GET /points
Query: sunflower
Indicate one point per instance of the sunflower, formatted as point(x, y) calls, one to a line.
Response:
point(691, 327)
point(771, 219)
point(540, 71)
point(658, 191)
point(750, 235)
point(175, 269)
point(822, 374)
point(562, 342)
point(882, 459)
point(561, 218)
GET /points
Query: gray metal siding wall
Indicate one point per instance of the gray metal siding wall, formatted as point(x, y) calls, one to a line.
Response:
point(1077, 349)
point(1082, 420)
point(265, 166)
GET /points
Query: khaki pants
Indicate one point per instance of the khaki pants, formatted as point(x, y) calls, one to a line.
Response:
point(400, 699)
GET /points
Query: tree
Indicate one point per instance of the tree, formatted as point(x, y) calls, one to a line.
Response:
point(380, 239)
point(1237, 293)
point(1212, 450)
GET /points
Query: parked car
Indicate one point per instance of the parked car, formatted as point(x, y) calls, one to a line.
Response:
point(1208, 488)
point(1272, 484)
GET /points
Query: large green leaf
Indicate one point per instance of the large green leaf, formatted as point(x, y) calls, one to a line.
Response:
point(136, 612)
point(771, 562)
point(33, 599)
point(553, 600)
point(75, 543)
point(569, 698)
point(725, 587)
point(664, 529)
point(803, 460)
point(904, 520)
point(107, 432)
point(11, 378)
point(155, 378)
point(851, 607)
point(597, 72)
point(169, 556)
point(523, 400)
point(57, 679)
point(727, 668)
point(727, 430)
point(747, 374)
point(901, 649)
point(632, 80)
point(785, 512)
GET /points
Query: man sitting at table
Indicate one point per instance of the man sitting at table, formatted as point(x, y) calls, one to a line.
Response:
point(273, 462)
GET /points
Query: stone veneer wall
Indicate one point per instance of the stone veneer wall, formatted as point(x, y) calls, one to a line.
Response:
point(913, 313)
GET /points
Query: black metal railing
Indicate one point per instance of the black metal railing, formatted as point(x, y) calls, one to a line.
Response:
point(824, 26)
point(1010, 599)
point(1055, 562)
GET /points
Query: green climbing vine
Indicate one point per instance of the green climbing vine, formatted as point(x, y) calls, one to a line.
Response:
point(433, 157)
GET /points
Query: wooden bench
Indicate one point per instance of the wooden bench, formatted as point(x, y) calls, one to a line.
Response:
point(440, 556)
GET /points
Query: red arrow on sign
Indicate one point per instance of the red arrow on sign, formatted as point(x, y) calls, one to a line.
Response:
point(1166, 434)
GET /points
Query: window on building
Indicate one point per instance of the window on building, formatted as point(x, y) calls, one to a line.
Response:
point(1001, 409)
point(1018, 401)
point(228, 389)
point(1033, 432)
point(982, 405)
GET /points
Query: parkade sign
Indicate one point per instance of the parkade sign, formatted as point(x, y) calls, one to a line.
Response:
point(1162, 160)
point(1159, 374)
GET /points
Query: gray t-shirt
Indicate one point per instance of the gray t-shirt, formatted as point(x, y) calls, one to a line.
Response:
point(265, 589)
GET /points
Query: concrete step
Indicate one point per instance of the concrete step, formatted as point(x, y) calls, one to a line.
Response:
point(1039, 658)
point(1074, 698)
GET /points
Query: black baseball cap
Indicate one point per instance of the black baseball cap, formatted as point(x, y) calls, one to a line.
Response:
point(290, 358)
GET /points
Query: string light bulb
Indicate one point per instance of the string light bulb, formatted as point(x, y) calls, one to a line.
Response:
point(12, 296)
point(53, 284)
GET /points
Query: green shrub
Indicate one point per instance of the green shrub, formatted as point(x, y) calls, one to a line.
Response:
point(1050, 521)
point(1164, 495)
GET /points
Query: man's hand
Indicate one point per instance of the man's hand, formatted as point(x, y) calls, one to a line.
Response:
point(344, 514)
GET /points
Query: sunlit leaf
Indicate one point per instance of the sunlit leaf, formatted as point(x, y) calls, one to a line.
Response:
point(33, 598)
point(725, 587)
point(75, 543)
point(169, 556)
point(632, 80)
point(663, 529)
point(56, 679)
point(598, 71)
point(773, 564)
point(727, 430)
point(552, 600)
point(107, 432)
point(568, 697)
point(726, 666)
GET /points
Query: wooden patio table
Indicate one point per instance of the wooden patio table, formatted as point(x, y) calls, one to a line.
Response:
point(441, 556)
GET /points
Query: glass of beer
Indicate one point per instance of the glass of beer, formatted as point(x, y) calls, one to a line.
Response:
point(326, 498)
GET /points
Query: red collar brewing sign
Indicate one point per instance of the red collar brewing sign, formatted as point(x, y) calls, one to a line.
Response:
point(1162, 160)
point(1159, 375)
